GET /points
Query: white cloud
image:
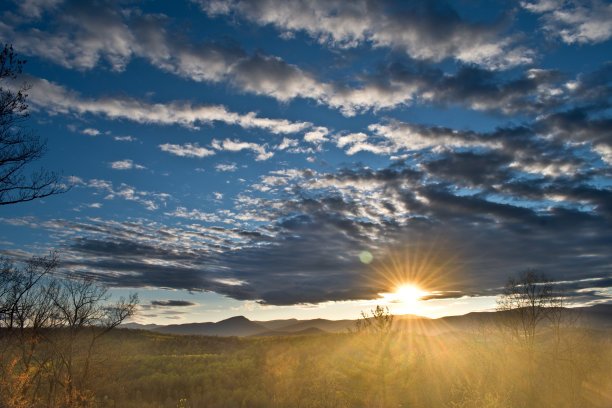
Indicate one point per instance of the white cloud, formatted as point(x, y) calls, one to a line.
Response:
point(414, 29)
point(91, 132)
point(317, 135)
point(186, 150)
point(126, 164)
point(150, 200)
point(125, 138)
point(182, 212)
point(352, 138)
point(57, 99)
point(286, 143)
point(604, 151)
point(217, 195)
point(226, 167)
point(581, 22)
point(236, 146)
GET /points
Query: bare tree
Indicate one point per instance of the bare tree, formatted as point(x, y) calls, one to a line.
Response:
point(525, 303)
point(50, 324)
point(83, 314)
point(18, 146)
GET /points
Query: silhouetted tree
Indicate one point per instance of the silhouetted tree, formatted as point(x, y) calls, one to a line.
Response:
point(379, 320)
point(50, 324)
point(526, 301)
point(18, 146)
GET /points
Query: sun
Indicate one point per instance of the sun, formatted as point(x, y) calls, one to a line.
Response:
point(407, 294)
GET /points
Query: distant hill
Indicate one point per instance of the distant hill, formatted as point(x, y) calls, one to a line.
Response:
point(139, 326)
point(276, 333)
point(234, 326)
point(294, 325)
point(598, 316)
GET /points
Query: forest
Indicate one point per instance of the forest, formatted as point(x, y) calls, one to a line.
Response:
point(61, 347)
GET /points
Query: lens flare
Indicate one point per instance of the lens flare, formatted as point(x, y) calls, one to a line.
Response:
point(366, 257)
point(417, 272)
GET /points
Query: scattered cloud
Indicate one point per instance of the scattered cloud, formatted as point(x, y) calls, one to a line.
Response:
point(57, 99)
point(186, 150)
point(574, 21)
point(91, 132)
point(413, 28)
point(226, 167)
point(125, 138)
point(236, 146)
point(126, 164)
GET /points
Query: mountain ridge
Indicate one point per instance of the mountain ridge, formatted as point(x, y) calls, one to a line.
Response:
point(599, 315)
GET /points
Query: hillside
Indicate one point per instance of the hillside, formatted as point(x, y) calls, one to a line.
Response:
point(598, 316)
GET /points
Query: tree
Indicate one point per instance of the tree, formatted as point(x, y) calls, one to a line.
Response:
point(376, 358)
point(525, 302)
point(50, 324)
point(18, 146)
point(380, 320)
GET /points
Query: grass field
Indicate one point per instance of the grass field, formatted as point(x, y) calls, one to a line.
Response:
point(482, 368)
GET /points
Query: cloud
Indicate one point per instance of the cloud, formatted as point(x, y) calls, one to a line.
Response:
point(172, 303)
point(57, 99)
point(311, 227)
point(186, 150)
point(125, 138)
point(236, 146)
point(575, 22)
point(286, 143)
point(91, 132)
point(126, 164)
point(226, 167)
point(415, 29)
point(317, 135)
point(151, 200)
point(423, 30)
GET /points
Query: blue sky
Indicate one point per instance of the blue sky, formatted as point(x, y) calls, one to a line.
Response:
point(237, 157)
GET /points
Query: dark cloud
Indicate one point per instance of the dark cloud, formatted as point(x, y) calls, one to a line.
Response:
point(172, 303)
point(309, 251)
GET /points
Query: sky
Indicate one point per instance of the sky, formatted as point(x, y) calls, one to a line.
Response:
point(292, 158)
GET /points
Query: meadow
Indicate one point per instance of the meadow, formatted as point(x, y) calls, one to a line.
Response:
point(482, 367)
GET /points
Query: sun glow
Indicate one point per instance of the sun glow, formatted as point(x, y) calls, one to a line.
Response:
point(407, 294)
point(410, 279)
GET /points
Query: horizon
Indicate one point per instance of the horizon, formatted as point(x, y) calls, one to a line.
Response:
point(285, 159)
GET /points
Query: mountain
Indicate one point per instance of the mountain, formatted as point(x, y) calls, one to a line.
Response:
point(138, 326)
point(234, 326)
point(294, 325)
point(276, 333)
point(597, 316)
point(277, 324)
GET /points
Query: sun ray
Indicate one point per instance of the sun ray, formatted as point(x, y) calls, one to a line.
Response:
point(415, 273)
